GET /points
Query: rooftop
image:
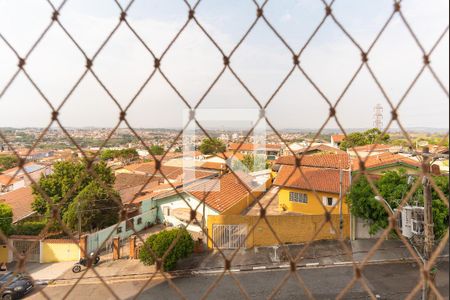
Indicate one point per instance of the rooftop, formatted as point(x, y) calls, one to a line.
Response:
point(316, 179)
point(325, 160)
point(20, 201)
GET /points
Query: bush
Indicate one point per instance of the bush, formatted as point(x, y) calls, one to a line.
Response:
point(161, 242)
point(29, 228)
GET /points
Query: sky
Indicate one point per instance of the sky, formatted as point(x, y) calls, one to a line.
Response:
point(193, 62)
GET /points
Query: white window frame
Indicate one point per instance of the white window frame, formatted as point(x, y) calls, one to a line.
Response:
point(298, 197)
point(325, 201)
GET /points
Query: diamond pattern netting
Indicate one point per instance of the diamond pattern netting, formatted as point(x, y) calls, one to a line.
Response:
point(297, 55)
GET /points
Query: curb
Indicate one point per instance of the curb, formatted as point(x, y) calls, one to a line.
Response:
point(214, 271)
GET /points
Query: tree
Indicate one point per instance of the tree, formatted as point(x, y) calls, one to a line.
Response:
point(157, 150)
point(393, 186)
point(368, 137)
point(212, 146)
point(68, 180)
point(96, 206)
point(8, 162)
point(160, 243)
point(6, 218)
point(124, 155)
point(251, 163)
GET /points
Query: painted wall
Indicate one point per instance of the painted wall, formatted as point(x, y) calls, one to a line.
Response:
point(313, 207)
point(59, 251)
point(101, 238)
point(176, 201)
point(290, 229)
point(4, 254)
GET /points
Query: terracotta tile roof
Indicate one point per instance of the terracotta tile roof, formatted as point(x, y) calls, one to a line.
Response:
point(20, 201)
point(213, 166)
point(224, 192)
point(5, 179)
point(230, 154)
point(338, 138)
point(253, 147)
point(335, 161)
point(149, 168)
point(321, 148)
point(385, 159)
point(166, 190)
point(318, 179)
point(375, 147)
point(125, 181)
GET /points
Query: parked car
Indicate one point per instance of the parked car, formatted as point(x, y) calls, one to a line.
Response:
point(15, 286)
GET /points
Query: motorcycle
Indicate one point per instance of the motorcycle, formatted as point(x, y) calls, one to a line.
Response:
point(84, 263)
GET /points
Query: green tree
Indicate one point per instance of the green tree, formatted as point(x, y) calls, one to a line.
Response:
point(157, 150)
point(160, 243)
point(212, 146)
point(68, 180)
point(124, 155)
point(6, 218)
point(251, 163)
point(393, 186)
point(8, 162)
point(96, 206)
point(368, 137)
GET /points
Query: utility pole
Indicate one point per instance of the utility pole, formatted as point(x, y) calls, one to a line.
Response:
point(79, 221)
point(428, 206)
point(341, 220)
point(428, 215)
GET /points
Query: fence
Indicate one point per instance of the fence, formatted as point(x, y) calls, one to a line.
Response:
point(294, 54)
point(102, 240)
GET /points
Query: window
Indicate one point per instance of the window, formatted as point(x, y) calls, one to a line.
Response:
point(119, 230)
point(298, 197)
point(139, 221)
point(329, 201)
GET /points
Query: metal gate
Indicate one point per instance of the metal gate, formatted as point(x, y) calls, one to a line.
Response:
point(229, 236)
point(23, 247)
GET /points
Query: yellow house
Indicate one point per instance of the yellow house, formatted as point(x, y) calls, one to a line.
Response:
point(311, 190)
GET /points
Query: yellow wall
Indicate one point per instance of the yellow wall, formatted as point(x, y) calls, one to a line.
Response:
point(289, 229)
point(314, 205)
point(3, 254)
point(60, 251)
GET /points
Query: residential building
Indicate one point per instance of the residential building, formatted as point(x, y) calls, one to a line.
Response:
point(336, 140)
point(272, 151)
point(30, 172)
point(226, 195)
point(376, 165)
point(20, 202)
point(310, 190)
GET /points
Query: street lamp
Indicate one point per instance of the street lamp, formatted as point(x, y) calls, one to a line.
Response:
point(381, 199)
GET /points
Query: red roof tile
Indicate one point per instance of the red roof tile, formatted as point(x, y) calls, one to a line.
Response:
point(223, 193)
point(313, 179)
point(20, 201)
point(385, 159)
point(338, 138)
point(335, 161)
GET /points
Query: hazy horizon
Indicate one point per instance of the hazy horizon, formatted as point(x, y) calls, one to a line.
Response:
point(193, 62)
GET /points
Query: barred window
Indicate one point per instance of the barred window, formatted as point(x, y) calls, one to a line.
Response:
point(298, 197)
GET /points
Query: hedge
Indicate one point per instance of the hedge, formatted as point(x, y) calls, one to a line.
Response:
point(161, 242)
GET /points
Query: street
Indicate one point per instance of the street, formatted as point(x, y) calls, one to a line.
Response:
point(390, 281)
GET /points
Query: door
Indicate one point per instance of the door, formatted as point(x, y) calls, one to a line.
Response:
point(30, 247)
point(229, 236)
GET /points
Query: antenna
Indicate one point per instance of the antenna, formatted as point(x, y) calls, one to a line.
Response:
point(378, 117)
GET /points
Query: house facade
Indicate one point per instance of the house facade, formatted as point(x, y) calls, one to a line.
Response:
point(311, 190)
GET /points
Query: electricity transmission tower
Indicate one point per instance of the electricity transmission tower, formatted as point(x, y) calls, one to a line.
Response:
point(378, 117)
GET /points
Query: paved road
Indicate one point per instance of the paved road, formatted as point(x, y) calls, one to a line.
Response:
point(393, 281)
